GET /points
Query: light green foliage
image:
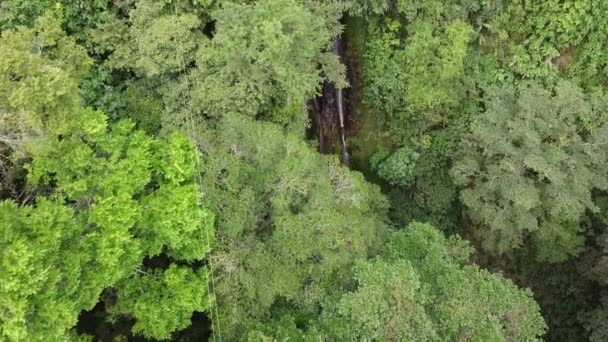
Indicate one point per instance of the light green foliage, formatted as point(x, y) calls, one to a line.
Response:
point(530, 165)
point(387, 305)
point(89, 167)
point(162, 301)
point(423, 289)
point(290, 221)
point(262, 61)
point(414, 75)
point(40, 249)
point(40, 60)
point(536, 39)
point(425, 58)
point(434, 63)
point(160, 40)
point(282, 329)
point(102, 219)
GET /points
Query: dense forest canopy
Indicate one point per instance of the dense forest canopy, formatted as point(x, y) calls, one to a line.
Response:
point(303, 170)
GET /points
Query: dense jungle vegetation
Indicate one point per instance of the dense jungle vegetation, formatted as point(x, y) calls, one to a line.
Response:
point(303, 170)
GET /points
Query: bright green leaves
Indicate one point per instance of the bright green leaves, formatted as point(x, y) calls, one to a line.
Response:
point(172, 213)
point(162, 301)
point(107, 170)
point(101, 156)
point(40, 266)
point(434, 63)
point(531, 164)
point(263, 59)
point(130, 197)
point(114, 196)
point(177, 160)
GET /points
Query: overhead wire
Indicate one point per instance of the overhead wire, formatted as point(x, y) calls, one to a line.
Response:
point(191, 131)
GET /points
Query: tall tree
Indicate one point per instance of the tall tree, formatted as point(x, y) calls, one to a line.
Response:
point(108, 197)
point(421, 288)
point(263, 61)
point(529, 168)
point(290, 222)
point(113, 198)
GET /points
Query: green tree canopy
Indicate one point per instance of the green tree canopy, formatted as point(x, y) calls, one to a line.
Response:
point(421, 288)
point(263, 60)
point(290, 222)
point(530, 165)
point(40, 60)
point(112, 198)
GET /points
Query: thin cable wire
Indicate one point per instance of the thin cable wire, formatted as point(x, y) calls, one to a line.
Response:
point(190, 128)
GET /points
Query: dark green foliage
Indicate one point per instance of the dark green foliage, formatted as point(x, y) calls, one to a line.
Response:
point(144, 106)
point(530, 166)
point(420, 89)
point(368, 7)
point(76, 16)
point(398, 168)
point(595, 322)
point(433, 199)
point(21, 12)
